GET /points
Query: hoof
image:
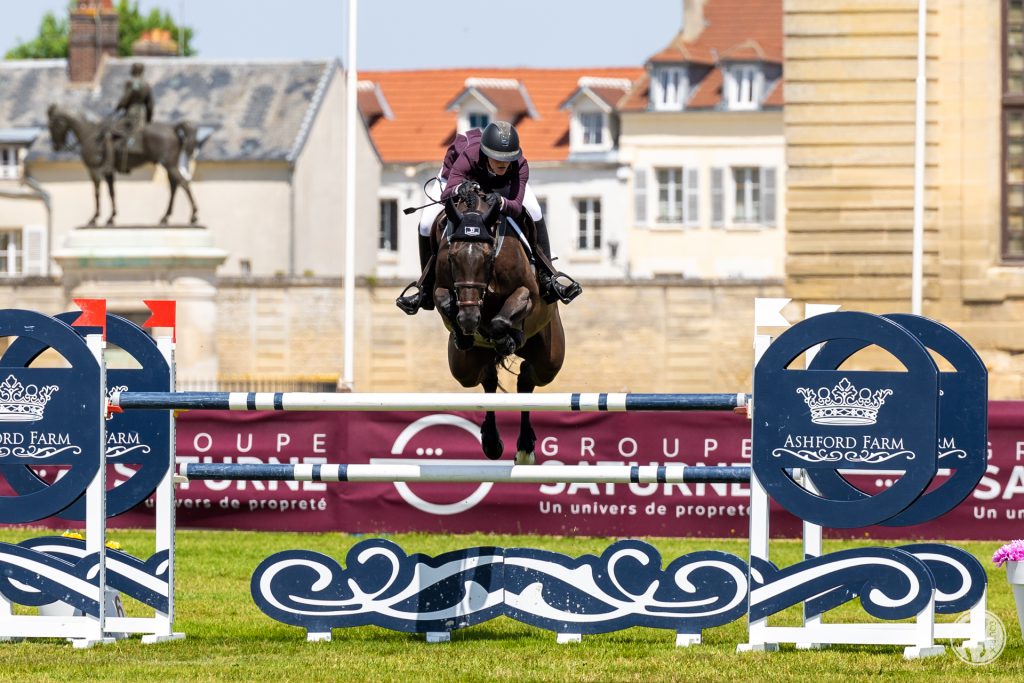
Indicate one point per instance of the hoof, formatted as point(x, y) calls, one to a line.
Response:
point(505, 346)
point(524, 458)
point(493, 451)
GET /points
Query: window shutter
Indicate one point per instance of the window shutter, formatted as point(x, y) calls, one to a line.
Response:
point(35, 253)
point(717, 197)
point(768, 196)
point(640, 195)
point(691, 197)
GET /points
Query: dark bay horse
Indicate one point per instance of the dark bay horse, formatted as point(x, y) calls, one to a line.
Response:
point(170, 146)
point(487, 293)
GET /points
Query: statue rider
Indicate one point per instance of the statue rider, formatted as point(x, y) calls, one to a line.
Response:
point(134, 110)
point(492, 162)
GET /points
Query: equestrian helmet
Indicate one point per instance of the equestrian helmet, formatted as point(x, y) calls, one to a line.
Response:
point(500, 141)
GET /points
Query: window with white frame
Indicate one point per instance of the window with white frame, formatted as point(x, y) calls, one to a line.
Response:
point(744, 86)
point(23, 251)
point(10, 169)
point(678, 195)
point(477, 119)
point(588, 235)
point(668, 88)
point(591, 128)
point(670, 195)
point(747, 206)
point(387, 235)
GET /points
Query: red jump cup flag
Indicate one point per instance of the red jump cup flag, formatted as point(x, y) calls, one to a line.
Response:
point(94, 314)
point(163, 314)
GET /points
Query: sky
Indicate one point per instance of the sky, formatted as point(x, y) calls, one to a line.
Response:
point(408, 34)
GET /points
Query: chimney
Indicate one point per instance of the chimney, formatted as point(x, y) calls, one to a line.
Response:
point(693, 19)
point(155, 42)
point(92, 34)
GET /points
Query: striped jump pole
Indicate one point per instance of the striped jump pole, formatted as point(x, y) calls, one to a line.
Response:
point(470, 473)
point(424, 402)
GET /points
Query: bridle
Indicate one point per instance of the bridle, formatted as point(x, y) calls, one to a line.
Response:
point(480, 287)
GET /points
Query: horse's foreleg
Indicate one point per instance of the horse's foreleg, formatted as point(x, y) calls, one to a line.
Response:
point(505, 328)
point(171, 176)
point(527, 438)
point(113, 203)
point(96, 195)
point(489, 437)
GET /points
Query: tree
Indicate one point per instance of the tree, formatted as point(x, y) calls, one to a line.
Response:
point(131, 25)
point(52, 40)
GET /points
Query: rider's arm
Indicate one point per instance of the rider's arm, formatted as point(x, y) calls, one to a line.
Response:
point(513, 206)
point(459, 174)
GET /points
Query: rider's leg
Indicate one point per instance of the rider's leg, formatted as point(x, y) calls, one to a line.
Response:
point(422, 295)
point(548, 277)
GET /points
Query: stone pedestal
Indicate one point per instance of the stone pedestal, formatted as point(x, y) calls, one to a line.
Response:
point(127, 264)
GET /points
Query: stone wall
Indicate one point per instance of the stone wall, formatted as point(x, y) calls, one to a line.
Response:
point(648, 337)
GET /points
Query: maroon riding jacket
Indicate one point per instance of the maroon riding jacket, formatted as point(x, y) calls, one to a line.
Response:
point(464, 161)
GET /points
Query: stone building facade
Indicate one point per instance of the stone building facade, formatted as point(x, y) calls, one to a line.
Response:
point(849, 126)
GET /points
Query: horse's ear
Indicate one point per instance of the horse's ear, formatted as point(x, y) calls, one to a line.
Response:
point(52, 108)
point(454, 215)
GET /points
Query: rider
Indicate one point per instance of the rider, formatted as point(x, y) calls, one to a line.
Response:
point(493, 162)
point(135, 109)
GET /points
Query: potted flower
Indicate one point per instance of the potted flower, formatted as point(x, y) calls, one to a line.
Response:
point(1013, 555)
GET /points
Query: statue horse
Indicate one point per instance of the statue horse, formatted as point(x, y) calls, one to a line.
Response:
point(171, 146)
point(487, 293)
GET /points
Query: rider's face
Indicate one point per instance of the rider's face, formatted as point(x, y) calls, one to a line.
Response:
point(498, 167)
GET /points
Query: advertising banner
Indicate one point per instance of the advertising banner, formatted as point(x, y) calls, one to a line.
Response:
point(994, 510)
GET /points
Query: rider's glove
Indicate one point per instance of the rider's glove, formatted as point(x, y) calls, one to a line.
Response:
point(466, 190)
point(495, 199)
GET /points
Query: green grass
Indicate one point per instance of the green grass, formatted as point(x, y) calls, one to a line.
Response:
point(229, 639)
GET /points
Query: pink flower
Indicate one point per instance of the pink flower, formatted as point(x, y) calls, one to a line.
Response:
point(1011, 552)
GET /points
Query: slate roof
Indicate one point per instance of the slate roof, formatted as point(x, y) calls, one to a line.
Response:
point(422, 126)
point(258, 110)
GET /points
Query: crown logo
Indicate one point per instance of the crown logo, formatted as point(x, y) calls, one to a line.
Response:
point(844, 404)
point(19, 403)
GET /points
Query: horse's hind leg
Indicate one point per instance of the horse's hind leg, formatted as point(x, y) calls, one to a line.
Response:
point(527, 438)
point(171, 176)
point(113, 203)
point(489, 437)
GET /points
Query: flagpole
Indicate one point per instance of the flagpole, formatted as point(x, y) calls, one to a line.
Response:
point(348, 376)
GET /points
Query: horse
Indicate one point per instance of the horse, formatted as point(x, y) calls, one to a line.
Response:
point(487, 293)
point(171, 146)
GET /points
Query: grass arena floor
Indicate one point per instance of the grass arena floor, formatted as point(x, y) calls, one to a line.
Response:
point(229, 639)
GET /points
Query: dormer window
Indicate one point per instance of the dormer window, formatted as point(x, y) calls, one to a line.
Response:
point(10, 165)
point(668, 88)
point(477, 119)
point(591, 128)
point(483, 100)
point(744, 87)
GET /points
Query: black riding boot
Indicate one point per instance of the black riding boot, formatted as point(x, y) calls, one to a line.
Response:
point(422, 295)
point(548, 278)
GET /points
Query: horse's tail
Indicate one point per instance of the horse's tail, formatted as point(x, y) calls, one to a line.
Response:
point(187, 137)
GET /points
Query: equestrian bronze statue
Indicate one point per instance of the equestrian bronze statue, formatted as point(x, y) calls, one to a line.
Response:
point(487, 293)
point(126, 141)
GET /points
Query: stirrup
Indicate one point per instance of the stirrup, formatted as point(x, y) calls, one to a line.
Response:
point(410, 303)
point(562, 292)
